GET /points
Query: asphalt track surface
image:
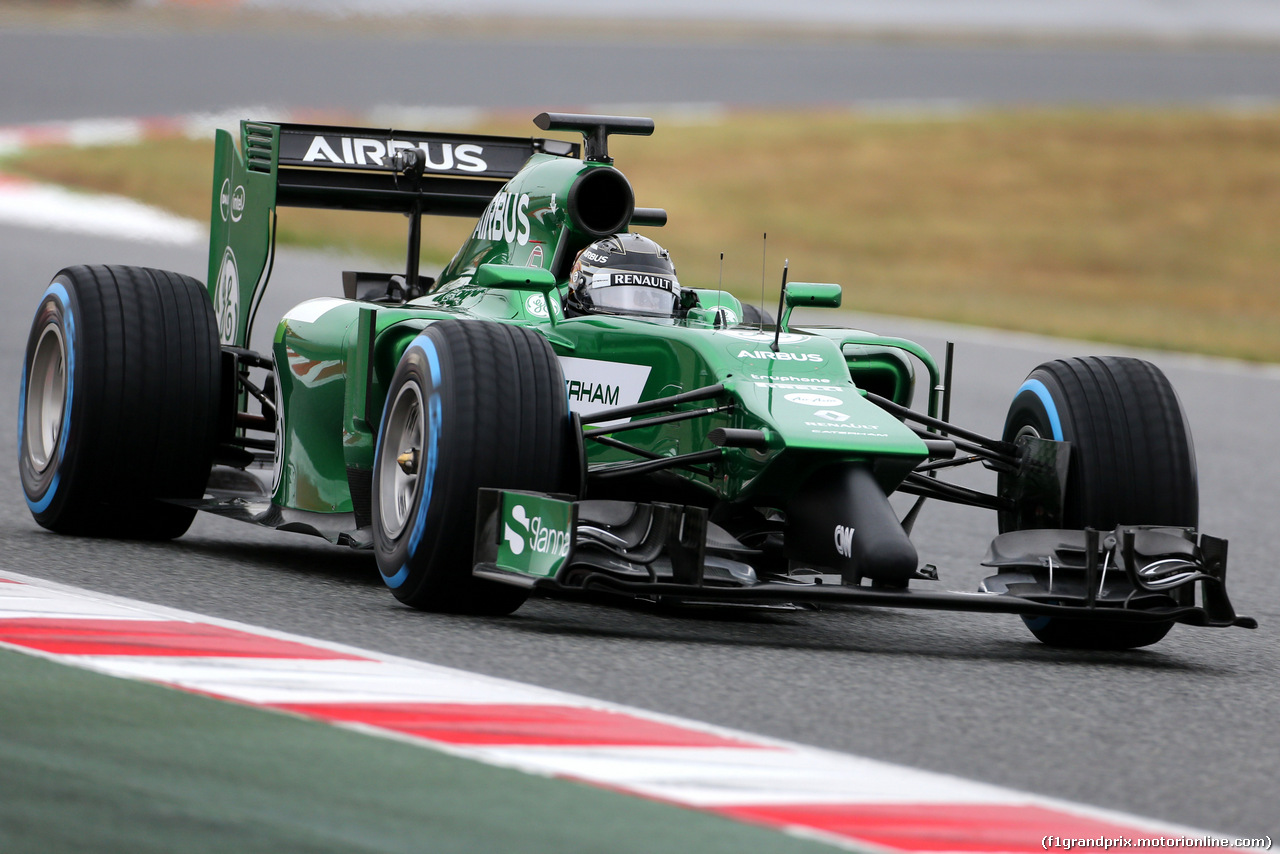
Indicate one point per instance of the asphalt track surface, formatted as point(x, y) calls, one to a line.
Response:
point(1183, 732)
point(135, 71)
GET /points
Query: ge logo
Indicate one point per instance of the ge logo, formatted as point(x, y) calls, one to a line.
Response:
point(536, 305)
point(226, 298)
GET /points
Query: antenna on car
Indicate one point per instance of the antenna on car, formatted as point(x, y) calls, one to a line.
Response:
point(720, 286)
point(764, 258)
point(782, 300)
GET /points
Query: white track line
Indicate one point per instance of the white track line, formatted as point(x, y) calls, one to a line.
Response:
point(847, 800)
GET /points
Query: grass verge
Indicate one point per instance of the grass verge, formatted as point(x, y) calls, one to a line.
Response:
point(1151, 228)
point(98, 764)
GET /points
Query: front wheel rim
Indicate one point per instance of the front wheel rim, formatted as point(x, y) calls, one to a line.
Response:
point(399, 483)
point(1027, 430)
point(46, 399)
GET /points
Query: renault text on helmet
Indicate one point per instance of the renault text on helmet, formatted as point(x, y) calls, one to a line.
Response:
point(624, 274)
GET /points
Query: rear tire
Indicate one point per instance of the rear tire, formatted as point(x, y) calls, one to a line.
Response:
point(753, 315)
point(119, 402)
point(1132, 463)
point(472, 404)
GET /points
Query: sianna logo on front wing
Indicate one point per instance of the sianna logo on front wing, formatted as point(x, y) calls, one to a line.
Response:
point(533, 534)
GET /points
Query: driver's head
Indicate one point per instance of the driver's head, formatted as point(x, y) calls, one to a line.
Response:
point(624, 274)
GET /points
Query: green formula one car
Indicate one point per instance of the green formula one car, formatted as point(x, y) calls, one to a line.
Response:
point(556, 411)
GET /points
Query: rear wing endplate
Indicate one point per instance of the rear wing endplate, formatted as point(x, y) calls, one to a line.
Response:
point(342, 168)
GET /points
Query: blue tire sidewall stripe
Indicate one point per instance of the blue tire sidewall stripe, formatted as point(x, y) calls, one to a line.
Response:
point(431, 433)
point(57, 290)
point(1041, 391)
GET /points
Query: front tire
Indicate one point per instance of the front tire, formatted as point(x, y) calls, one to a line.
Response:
point(472, 404)
point(118, 402)
point(1132, 463)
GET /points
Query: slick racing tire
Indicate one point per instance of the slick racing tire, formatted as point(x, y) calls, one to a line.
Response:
point(472, 404)
point(753, 315)
point(119, 401)
point(1132, 463)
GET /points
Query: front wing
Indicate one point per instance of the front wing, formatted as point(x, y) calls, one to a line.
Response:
point(1134, 574)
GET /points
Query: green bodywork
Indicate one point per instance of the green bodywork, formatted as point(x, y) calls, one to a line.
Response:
point(335, 357)
point(241, 226)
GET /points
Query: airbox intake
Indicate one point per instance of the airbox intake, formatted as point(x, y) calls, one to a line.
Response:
point(601, 202)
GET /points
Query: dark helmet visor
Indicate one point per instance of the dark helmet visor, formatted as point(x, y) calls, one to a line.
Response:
point(633, 292)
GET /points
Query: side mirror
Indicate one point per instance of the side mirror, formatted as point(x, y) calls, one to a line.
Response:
point(813, 294)
point(510, 276)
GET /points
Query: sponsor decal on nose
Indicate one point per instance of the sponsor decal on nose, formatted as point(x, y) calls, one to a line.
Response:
point(805, 399)
point(844, 540)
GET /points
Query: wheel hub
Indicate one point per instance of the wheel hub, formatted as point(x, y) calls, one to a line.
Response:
point(409, 461)
point(398, 467)
point(46, 397)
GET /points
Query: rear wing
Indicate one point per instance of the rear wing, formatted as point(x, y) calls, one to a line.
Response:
point(342, 168)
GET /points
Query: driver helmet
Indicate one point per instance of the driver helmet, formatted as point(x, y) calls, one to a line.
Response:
point(624, 274)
